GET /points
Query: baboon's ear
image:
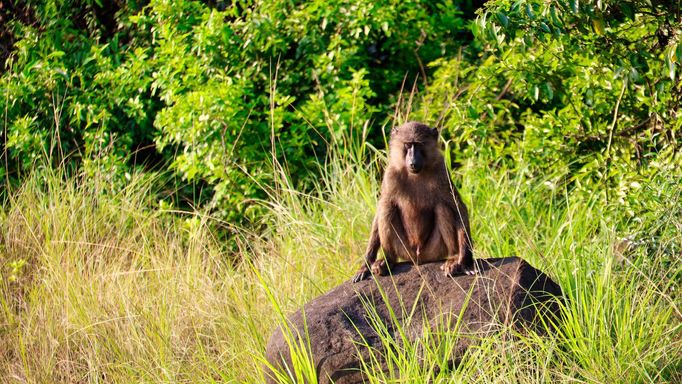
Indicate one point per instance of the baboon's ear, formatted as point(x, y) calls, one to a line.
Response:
point(434, 132)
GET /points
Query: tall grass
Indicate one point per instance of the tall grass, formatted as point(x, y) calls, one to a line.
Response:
point(106, 287)
point(115, 291)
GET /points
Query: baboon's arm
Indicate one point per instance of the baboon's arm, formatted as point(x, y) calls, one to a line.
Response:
point(374, 242)
point(449, 238)
point(462, 260)
point(466, 257)
point(371, 252)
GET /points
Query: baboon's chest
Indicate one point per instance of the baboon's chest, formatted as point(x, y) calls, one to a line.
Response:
point(418, 221)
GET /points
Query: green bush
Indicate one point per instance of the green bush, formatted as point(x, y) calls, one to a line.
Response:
point(225, 93)
point(222, 90)
point(74, 89)
point(586, 91)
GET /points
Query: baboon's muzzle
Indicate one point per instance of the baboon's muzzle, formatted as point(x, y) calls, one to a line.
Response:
point(414, 159)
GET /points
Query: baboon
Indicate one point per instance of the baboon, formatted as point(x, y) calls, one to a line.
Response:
point(420, 216)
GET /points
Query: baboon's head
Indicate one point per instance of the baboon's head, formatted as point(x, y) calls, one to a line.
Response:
point(414, 146)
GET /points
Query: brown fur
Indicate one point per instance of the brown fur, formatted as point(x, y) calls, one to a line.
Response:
point(420, 216)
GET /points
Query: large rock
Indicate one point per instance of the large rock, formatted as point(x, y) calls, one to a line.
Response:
point(506, 291)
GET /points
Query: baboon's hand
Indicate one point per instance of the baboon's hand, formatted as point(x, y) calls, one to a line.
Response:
point(452, 267)
point(379, 267)
point(361, 274)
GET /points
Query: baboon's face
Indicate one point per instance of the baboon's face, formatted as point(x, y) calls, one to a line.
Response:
point(414, 146)
point(414, 156)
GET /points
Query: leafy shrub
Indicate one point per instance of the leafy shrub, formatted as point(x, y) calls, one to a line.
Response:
point(274, 82)
point(73, 89)
point(586, 91)
point(228, 88)
point(225, 93)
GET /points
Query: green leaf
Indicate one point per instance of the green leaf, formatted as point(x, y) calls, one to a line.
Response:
point(598, 25)
point(671, 66)
point(555, 19)
point(502, 18)
point(549, 90)
point(575, 6)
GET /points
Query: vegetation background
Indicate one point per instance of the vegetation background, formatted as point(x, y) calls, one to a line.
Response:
point(178, 175)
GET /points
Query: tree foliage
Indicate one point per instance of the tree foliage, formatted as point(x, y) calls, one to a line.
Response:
point(221, 91)
point(587, 91)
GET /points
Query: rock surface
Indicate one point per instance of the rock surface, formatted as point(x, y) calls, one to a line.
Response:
point(503, 292)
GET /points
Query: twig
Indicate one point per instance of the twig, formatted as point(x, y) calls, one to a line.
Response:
point(505, 89)
point(615, 119)
point(611, 129)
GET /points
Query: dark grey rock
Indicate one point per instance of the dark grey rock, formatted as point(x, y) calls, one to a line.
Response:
point(506, 291)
